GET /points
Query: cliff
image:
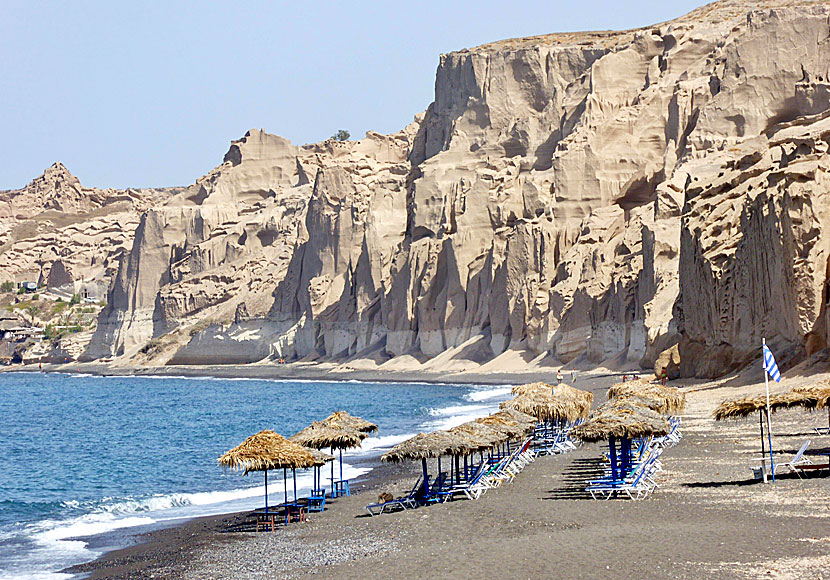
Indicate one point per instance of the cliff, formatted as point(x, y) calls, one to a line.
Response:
point(606, 195)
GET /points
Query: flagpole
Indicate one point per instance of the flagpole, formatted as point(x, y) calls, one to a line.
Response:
point(769, 424)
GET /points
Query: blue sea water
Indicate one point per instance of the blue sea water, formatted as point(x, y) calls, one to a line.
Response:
point(83, 455)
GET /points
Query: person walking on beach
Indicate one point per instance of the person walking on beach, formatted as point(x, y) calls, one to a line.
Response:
point(573, 376)
point(663, 377)
point(559, 377)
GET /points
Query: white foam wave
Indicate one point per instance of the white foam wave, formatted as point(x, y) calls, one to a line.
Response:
point(458, 410)
point(57, 544)
point(378, 443)
point(483, 395)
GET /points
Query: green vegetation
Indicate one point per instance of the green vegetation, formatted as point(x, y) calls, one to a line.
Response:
point(152, 347)
point(76, 299)
point(7, 287)
point(341, 135)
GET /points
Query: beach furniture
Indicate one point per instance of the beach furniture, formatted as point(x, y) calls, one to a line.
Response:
point(267, 520)
point(340, 431)
point(467, 487)
point(407, 501)
point(317, 500)
point(798, 460)
point(265, 451)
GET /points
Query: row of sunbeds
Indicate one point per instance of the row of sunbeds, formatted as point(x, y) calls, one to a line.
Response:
point(554, 438)
point(491, 473)
point(639, 480)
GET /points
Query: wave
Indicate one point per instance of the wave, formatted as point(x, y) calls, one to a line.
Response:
point(375, 444)
point(40, 549)
point(484, 394)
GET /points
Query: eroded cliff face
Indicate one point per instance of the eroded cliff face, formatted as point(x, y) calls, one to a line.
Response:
point(598, 195)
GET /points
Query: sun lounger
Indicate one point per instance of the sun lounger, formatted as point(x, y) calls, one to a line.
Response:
point(798, 460)
point(636, 484)
point(407, 501)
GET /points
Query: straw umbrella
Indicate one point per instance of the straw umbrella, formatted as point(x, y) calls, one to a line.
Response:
point(425, 446)
point(675, 399)
point(342, 420)
point(340, 431)
point(579, 399)
point(623, 420)
point(821, 394)
point(264, 451)
point(480, 437)
point(551, 403)
point(740, 408)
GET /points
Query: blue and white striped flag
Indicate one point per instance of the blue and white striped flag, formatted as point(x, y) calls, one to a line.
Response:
point(770, 366)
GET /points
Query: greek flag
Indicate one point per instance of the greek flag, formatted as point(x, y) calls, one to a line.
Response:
point(770, 366)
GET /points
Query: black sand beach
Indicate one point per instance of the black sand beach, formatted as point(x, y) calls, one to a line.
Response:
point(709, 518)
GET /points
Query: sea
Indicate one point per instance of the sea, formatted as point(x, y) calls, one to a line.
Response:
point(85, 457)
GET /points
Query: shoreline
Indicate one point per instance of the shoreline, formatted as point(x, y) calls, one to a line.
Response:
point(326, 372)
point(144, 549)
point(162, 545)
point(702, 521)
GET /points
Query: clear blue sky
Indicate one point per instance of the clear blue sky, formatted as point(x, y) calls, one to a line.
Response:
point(151, 93)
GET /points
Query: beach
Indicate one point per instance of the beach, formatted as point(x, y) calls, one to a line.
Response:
point(708, 518)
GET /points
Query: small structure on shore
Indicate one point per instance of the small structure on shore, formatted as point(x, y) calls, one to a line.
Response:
point(621, 420)
point(551, 403)
point(265, 451)
point(809, 398)
point(664, 400)
point(340, 431)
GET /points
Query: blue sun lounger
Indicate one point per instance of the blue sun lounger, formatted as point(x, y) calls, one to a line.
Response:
point(407, 501)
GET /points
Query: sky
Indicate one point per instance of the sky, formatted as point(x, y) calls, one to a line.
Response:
point(150, 94)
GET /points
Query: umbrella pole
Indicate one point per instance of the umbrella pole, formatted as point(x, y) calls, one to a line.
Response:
point(266, 491)
point(285, 484)
point(294, 475)
point(613, 456)
point(426, 476)
point(332, 474)
point(341, 464)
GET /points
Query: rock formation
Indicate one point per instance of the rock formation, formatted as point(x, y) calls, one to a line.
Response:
point(607, 195)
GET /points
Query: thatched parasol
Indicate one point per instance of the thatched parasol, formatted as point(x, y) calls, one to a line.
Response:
point(337, 431)
point(320, 457)
point(547, 407)
point(342, 420)
point(809, 398)
point(480, 436)
point(582, 400)
point(425, 446)
point(430, 445)
point(321, 436)
point(502, 422)
point(514, 415)
point(621, 420)
point(675, 399)
point(820, 394)
point(746, 406)
point(268, 450)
